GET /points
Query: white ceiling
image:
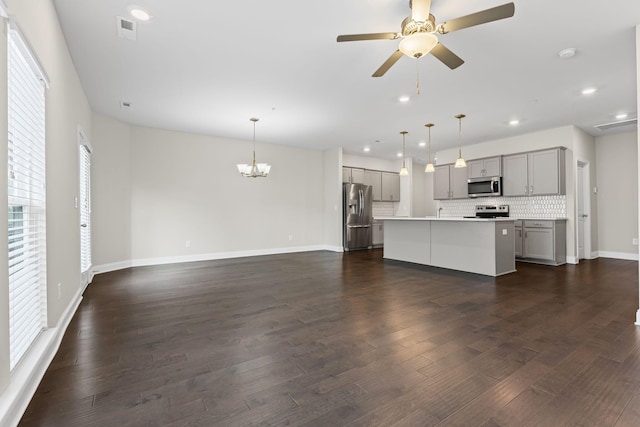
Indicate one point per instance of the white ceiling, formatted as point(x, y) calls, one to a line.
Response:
point(208, 66)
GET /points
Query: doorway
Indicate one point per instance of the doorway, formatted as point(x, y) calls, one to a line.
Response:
point(583, 211)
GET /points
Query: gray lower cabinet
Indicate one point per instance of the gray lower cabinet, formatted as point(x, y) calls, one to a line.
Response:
point(541, 240)
point(378, 233)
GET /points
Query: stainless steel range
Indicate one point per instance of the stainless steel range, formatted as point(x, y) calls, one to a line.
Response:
point(491, 211)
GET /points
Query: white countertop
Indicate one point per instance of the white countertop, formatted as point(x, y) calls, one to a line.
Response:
point(433, 218)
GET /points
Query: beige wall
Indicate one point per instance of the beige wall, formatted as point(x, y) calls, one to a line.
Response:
point(111, 192)
point(66, 109)
point(333, 198)
point(186, 187)
point(617, 197)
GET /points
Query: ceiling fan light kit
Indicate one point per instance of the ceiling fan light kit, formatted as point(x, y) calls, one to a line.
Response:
point(418, 33)
point(417, 45)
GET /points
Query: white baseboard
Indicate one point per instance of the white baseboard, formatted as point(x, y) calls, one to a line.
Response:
point(638, 318)
point(105, 268)
point(572, 260)
point(27, 375)
point(619, 255)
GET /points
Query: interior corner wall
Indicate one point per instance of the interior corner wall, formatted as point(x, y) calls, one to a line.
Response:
point(333, 199)
point(111, 193)
point(617, 184)
point(189, 202)
point(419, 206)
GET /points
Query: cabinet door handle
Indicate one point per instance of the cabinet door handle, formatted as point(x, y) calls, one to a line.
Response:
point(526, 189)
point(531, 190)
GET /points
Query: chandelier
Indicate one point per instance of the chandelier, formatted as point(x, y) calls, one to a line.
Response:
point(254, 170)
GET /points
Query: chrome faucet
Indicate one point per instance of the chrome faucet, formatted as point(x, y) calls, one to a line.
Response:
point(438, 214)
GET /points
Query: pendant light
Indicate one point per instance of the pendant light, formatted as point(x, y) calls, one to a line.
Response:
point(460, 163)
point(255, 170)
point(403, 171)
point(429, 167)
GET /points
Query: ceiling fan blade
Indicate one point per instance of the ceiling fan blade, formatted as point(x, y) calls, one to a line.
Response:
point(372, 36)
point(489, 15)
point(388, 64)
point(420, 9)
point(447, 57)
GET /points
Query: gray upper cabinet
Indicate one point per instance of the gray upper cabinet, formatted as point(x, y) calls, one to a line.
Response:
point(546, 172)
point(390, 187)
point(450, 183)
point(352, 175)
point(374, 179)
point(514, 175)
point(490, 166)
point(534, 174)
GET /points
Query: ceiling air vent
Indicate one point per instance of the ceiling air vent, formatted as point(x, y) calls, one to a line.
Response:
point(126, 28)
point(615, 125)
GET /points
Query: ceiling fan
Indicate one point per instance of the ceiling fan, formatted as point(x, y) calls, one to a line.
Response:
point(419, 33)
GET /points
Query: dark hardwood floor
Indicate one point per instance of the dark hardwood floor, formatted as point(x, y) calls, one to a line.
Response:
point(328, 339)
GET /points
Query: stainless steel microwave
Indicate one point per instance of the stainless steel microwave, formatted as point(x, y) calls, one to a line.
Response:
point(485, 186)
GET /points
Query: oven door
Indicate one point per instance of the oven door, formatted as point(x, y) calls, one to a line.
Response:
point(484, 187)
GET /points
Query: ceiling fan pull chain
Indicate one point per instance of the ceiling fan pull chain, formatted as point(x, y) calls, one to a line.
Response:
point(417, 76)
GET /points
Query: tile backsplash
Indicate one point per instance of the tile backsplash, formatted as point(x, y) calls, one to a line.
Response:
point(519, 207)
point(382, 209)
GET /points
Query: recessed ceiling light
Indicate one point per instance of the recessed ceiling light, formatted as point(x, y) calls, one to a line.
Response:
point(422, 144)
point(139, 13)
point(399, 155)
point(514, 122)
point(622, 116)
point(404, 98)
point(589, 91)
point(567, 53)
point(366, 149)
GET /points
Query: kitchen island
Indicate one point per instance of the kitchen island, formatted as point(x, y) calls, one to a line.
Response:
point(476, 245)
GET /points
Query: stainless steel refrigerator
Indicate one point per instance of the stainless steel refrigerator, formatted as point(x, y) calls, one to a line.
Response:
point(357, 218)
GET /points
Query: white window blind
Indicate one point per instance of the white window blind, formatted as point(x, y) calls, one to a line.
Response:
point(85, 208)
point(26, 200)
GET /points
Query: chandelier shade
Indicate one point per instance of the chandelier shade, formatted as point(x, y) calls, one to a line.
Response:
point(254, 170)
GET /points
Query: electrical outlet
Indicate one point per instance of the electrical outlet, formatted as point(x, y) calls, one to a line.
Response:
point(59, 291)
point(290, 237)
point(187, 244)
point(634, 242)
point(504, 231)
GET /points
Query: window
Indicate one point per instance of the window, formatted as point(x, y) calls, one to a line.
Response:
point(85, 208)
point(26, 198)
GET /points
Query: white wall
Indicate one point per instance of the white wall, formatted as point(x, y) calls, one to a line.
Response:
point(111, 193)
point(617, 183)
point(66, 109)
point(186, 187)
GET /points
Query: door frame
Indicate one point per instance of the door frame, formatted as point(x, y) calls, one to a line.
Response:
point(584, 170)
